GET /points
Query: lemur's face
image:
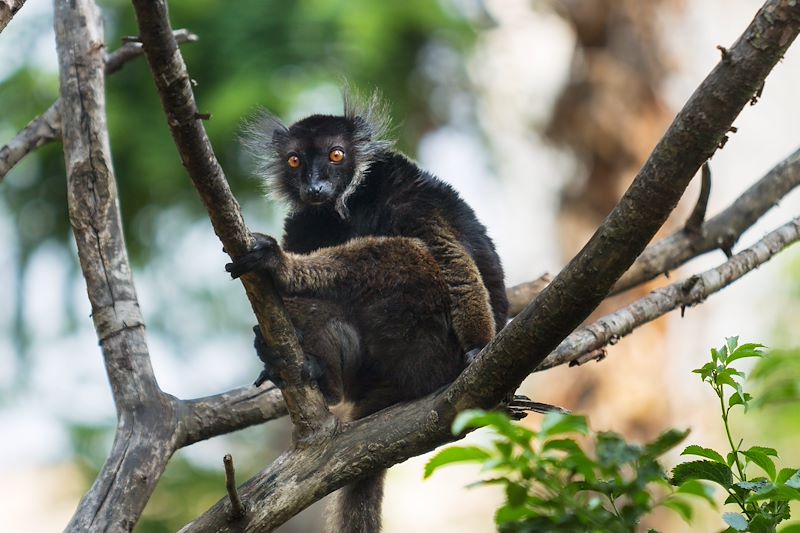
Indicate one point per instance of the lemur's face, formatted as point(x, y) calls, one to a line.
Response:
point(319, 159)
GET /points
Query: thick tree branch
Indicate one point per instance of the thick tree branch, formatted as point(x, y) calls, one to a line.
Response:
point(8, 8)
point(147, 418)
point(301, 476)
point(686, 293)
point(719, 232)
point(303, 398)
point(46, 128)
point(230, 411)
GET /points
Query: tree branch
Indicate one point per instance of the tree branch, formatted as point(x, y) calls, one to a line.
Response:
point(301, 476)
point(686, 293)
point(147, 418)
point(303, 398)
point(8, 8)
point(719, 232)
point(46, 128)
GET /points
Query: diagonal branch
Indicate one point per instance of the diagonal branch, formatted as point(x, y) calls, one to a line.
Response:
point(8, 8)
point(719, 232)
point(686, 293)
point(301, 476)
point(46, 128)
point(302, 395)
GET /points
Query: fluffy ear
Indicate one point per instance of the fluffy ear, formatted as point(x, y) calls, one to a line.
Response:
point(264, 137)
point(371, 120)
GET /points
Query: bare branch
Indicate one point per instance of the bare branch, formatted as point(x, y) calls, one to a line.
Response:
point(237, 409)
point(8, 8)
point(237, 509)
point(147, 418)
point(721, 231)
point(42, 130)
point(303, 398)
point(302, 475)
point(686, 293)
point(46, 128)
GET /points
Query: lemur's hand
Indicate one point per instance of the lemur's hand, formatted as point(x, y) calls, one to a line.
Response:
point(263, 255)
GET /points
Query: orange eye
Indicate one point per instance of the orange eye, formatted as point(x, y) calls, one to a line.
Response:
point(336, 155)
point(293, 161)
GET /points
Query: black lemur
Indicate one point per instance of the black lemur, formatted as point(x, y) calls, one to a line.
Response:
point(369, 238)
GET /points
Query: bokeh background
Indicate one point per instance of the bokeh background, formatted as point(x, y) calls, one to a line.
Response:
point(538, 112)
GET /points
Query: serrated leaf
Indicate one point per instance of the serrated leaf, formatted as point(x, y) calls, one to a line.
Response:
point(752, 486)
point(455, 454)
point(762, 460)
point(746, 350)
point(680, 507)
point(666, 441)
point(736, 521)
point(775, 493)
point(708, 470)
point(772, 452)
point(708, 453)
point(700, 489)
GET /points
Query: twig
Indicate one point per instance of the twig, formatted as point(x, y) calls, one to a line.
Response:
point(237, 509)
point(46, 128)
point(682, 294)
point(694, 224)
point(8, 8)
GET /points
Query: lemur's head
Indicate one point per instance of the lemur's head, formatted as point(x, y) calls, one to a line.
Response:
point(322, 159)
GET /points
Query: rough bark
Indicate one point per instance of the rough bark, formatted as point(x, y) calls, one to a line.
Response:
point(8, 8)
point(146, 417)
point(303, 398)
point(301, 476)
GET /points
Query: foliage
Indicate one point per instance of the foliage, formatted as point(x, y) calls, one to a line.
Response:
point(552, 483)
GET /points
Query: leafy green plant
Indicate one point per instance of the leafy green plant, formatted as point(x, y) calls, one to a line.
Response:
point(552, 483)
point(762, 500)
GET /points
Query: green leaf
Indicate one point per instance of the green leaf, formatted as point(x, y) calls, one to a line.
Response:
point(731, 343)
point(681, 507)
point(752, 486)
point(746, 350)
point(699, 489)
point(516, 494)
point(736, 399)
point(612, 450)
point(708, 453)
point(705, 370)
point(455, 454)
point(789, 476)
point(794, 480)
point(508, 513)
point(791, 528)
point(708, 470)
point(762, 460)
point(559, 423)
point(736, 521)
point(666, 441)
point(765, 450)
point(776, 493)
